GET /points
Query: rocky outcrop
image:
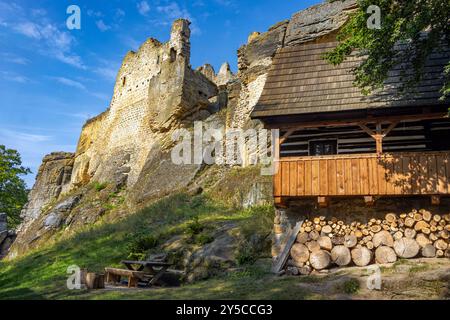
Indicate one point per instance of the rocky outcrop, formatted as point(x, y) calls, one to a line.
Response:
point(53, 179)
point(7, 237)
point(317, 21)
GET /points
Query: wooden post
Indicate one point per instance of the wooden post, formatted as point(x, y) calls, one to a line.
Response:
point(369, 201)
point(435, 200)
point(323, 202)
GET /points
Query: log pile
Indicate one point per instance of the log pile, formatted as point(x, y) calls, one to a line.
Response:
point(323, 243)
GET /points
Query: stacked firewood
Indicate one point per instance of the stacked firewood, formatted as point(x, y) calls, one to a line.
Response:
point(323, 243)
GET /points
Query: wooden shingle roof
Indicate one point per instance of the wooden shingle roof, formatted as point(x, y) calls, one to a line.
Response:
point(301, 82)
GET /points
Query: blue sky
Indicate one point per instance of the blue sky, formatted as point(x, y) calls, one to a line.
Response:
point(53, 79)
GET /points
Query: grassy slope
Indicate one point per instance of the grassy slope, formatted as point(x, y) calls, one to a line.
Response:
point(42, 274)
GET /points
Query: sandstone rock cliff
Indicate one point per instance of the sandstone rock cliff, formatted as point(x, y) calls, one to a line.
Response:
point(126, 149)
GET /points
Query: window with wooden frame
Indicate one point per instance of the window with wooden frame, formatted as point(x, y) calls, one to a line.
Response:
point(322, 147)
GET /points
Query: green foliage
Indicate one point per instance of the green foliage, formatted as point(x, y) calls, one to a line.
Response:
point(13, 192)
point(351, 286)
point(401, 22)
point(100, 186)
point(203, 238)
point(195, 227)
point(256, 232)
point(139, 244)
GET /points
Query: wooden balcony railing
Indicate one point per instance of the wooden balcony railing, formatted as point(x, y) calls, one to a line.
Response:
point(424, 173)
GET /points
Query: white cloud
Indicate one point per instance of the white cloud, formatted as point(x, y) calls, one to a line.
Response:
point(26, 137)
point(102, 26)
point(28, 29)
point(69, 82)
point(49, 39)
point(143, 7)
point(12, 58)
point(14, 77)
point(92, 13)
point(172, 11)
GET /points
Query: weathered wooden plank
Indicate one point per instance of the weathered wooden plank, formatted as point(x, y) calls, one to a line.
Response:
point(315, 177)
point(390, 175)
point(282, 258)
point(308, 178)
point(348, 176)
point(399, 176)
point(447, 170)
point(406, 175)
point(441, 174)
point(293, 178)
point(373, 176)
point(277, 181)
point(285, 179)
point(340, 177)
point(432, 175)
point(332, 177)
point(364, 176)
point(382, 175)
point(323, 177)
point(423, 174)
point(356, 182)
point(300, 178)
point(415, 178)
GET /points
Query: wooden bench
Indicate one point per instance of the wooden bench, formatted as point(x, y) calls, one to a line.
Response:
point(113, 275)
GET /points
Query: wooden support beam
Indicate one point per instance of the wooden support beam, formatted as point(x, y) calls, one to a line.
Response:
point(280, 202)
point(323, 202)
point(369, 201)
point(313, 124)
point(286, 136)
point(435, 200)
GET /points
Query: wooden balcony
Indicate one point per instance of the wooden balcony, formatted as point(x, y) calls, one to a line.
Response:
point(397, 174)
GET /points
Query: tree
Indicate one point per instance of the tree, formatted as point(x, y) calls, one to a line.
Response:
point(13, 192)
point(402, 22)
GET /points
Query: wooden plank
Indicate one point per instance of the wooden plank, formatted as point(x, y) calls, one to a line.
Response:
point(323, 177)
point(390, 175)
point(356, 182)
point(447, 170)
point(407, 175)
point(399, 176)
point(364, 176)
point(373, 176)
point(331, 164)
point(277, 182)
point(293, 178)
point(340, 177)
point(300, 178)
point(315, 171)
point(348, 176)
point(441, 174)
point(285, 178)
point(282, 258)
point(382, 175)
point(423, 174)
point(432, 175)
point(308, 178)
point(415, 179)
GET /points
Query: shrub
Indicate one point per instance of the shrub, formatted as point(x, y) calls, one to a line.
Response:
point(351, 286)
point(203, 238)
point(100, 186)
point(195, 227)
point(140, 244)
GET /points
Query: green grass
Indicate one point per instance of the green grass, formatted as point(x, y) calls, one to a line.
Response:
point(41, 274)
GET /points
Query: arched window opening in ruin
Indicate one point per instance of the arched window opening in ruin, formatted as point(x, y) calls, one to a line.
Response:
point(173, 55)
point(124, 81)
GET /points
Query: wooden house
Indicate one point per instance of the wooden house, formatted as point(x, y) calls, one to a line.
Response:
point(336, 142)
